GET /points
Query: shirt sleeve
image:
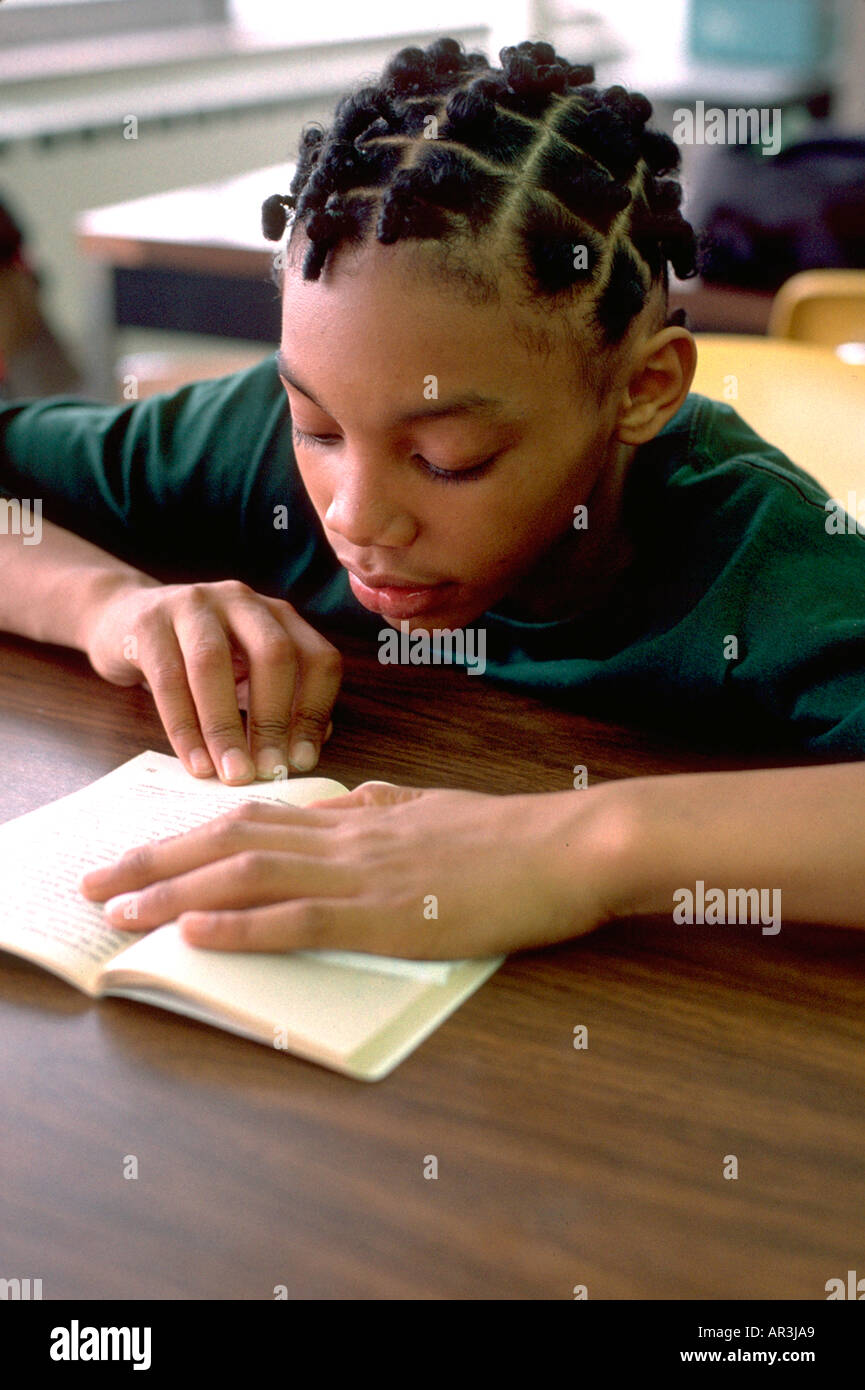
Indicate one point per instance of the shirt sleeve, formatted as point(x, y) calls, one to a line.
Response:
point(804, 657)
point(199, 483)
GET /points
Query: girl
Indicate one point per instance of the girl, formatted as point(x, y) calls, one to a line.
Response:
point(491, 426)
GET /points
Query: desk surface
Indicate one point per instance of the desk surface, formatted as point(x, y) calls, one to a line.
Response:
point(557, 1167)
point(209, 227)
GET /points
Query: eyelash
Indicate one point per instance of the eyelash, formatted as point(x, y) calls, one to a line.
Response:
point(442, 475)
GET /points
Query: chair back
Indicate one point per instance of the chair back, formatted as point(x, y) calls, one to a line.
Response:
point(826, 307)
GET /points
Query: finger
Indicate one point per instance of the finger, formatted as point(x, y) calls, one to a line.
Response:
point(371, 794)
point(243, 881)
point(272, 660)
point(162, 662)
point(253, 826)
point(312, 924)
point(320, 677)
point(210, 672)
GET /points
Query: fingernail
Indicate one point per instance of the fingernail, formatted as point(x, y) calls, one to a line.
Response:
point(200, 763)
point(123, 908)
point(236, 765)
point(270, 762)
point(304, 756)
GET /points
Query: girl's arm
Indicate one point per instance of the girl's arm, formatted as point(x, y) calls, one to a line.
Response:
point(797, 830)
point(52, 581)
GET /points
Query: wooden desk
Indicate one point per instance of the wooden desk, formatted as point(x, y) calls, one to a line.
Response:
point(557, 1167)
point(801, 396)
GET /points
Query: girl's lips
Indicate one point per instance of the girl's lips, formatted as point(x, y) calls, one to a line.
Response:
point(396, 600)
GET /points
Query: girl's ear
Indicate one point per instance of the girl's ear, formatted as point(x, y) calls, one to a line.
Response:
point(660, 380)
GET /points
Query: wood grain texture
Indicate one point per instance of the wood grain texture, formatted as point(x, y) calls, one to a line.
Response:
point(557, 1167)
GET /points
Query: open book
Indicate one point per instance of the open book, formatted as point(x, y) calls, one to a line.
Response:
point(358, 1013)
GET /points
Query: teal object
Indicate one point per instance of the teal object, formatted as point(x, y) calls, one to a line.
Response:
point(764, 33)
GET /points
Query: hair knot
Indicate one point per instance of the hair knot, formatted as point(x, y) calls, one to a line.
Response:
point(532, 149)
point(403, 214)
point(275, 217)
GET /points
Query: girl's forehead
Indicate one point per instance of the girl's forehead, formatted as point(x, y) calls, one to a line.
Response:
point(445, 308)
point(384, 300)
point(468, 269)
point(420, 289)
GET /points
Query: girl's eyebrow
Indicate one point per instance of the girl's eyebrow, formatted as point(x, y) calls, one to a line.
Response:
point(469, 401)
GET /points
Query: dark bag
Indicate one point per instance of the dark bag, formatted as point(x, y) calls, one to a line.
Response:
point(762, 217)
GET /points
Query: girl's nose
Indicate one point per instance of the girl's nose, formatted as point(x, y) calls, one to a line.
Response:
point(364, 516)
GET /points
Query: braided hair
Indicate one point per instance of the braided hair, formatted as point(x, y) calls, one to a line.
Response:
point(564, 179)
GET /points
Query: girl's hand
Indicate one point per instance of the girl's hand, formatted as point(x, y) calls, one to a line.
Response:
point(386, 870)
point(197, 647)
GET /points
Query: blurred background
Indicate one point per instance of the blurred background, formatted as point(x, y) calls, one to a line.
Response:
point(139, 137)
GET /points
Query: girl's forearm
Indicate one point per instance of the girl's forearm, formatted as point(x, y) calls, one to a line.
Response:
point(51, 581)
point(797, 830)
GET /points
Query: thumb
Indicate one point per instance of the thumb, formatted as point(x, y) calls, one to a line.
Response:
point(371, 794)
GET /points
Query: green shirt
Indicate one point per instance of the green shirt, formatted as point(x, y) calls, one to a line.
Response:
point(731, 541)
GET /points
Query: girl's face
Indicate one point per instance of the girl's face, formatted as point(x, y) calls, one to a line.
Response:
point(444, 459)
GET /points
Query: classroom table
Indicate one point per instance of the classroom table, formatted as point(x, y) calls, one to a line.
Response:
point(558, 1166)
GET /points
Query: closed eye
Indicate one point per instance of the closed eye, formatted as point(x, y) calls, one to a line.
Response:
point(456, 475)
point(444, 475)
point(301, 437)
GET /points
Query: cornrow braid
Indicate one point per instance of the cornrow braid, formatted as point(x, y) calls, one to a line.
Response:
point(449, 148)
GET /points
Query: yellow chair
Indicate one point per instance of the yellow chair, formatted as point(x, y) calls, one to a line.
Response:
point(799, 397)
point(824, 307)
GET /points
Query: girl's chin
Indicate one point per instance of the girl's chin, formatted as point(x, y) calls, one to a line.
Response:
point(440, 618)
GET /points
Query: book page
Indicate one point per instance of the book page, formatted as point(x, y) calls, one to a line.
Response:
point(43, 854)
point(333, 1010)
point(359, 1023)
point(43, 917)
